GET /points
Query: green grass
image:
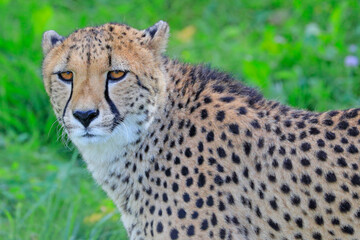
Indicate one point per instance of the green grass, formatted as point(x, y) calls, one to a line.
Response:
point(293, 51)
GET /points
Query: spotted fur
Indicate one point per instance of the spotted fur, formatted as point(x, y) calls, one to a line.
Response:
point(187, 152)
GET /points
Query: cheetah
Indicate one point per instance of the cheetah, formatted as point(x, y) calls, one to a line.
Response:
point(188, 152)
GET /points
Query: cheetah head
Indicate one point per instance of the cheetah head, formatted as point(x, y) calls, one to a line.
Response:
point(105, 82)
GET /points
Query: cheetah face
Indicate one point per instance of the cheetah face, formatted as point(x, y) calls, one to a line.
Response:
point(105, 82)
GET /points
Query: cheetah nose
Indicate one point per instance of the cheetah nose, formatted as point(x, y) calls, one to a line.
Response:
point(85, 117)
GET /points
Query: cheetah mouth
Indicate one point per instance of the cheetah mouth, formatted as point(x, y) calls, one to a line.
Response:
point(88, 135)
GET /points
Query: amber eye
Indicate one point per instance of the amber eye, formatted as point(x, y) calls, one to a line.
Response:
point(116, 75)
point(66, 76)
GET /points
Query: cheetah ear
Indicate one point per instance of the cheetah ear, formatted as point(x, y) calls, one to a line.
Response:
point(50, 40)
point(157, 36)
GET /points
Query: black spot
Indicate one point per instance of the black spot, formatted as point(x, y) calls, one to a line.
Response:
point(165, 197)
point(295, 200)
point(343, 125)
point(347, 229)
point(260, 142)
point(184, 171)
point(191, 230)
point(335, 221)
point(274, 225)
point(330, 177)
point(242, 110)
point(210, 136)
point(299, 222)
point(201, 180)
point(328, 122)
point(247, 148)
point(186, 197)
point(314, 131)
point(338, 149)
point(287, 164)
point(317, 236)
point(352, 149)
point(235, 158)
point(305, 179)
point(213, 219)
point(199, 203)
point(227, 99)
point(181, 213)
point(218, 180)
point(221, 152)
point(344, 206)
point(285, 188)
point(194, 215)
point(188, 152)
point(287, 217)
point(174, 234)
point(222, 233)
point(319, 220)
point(305, 162)
point(320, 143)
point(168, 210)
point(305, 146)
point(330, 135)
point(255, 124)
point(218, 88)
point(204, 114)
point(329, 197)
point(273, 204)
point(271, 150)
point(221, 206)
point(159, 227)
point(353, 132)
point(175, 187)
point(207, 100)
point(291, 137)
point(192, 131)
point(312, 204)
point(234, 128)
point(272, 178)
point(321, 155)
point(189, 181)
point(341, 162)
point(300, 125)
point(287, 123)
point(220, 116)
point(355, 180)
point(200, 146)
point(204, 225)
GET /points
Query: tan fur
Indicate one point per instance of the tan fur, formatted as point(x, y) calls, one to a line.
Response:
point(194, 153)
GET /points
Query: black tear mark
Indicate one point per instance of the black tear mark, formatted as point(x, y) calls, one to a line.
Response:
point(67, 103)
point(117, 119)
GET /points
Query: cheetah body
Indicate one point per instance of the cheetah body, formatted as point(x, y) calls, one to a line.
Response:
point(187, 152)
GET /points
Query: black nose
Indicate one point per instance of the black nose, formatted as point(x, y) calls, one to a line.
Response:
point(85, 117)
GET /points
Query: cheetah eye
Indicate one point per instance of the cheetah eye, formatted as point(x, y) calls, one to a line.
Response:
point(66, 76)
point(116, 75)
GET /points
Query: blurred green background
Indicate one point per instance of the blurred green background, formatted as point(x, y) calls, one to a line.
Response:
point(303, 53)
